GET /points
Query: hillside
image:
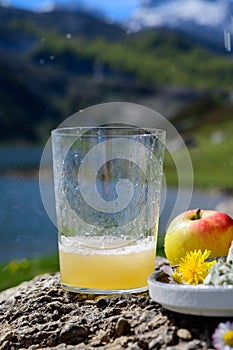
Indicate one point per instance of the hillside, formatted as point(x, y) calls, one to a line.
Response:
point(53, 64)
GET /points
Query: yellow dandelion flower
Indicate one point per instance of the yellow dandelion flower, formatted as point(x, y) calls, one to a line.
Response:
point(177, 277)
point(193, 268)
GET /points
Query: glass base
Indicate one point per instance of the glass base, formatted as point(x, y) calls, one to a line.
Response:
point(103, 291)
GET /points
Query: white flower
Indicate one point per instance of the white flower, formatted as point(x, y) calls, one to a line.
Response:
point(223, 336)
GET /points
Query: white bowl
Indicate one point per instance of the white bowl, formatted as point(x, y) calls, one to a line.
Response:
point(188, 299)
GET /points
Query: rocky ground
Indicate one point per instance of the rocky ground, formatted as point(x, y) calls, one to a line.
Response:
point(39, 314)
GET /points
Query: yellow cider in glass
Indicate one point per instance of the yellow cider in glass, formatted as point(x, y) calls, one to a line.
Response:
point(124, 267)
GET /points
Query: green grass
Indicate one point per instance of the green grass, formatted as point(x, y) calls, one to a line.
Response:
point(17, 271)
point(212, 157)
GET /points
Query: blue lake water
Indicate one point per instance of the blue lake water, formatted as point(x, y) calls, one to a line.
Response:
point(26, 230)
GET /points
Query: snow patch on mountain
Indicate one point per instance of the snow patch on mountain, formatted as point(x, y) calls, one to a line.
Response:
point(176, 13)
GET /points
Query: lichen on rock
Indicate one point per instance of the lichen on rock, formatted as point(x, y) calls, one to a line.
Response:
point(221, 273)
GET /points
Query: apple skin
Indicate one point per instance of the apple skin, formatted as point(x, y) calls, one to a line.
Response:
point(198, 229)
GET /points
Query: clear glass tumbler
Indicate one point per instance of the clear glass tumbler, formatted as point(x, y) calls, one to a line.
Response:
point(107, 193)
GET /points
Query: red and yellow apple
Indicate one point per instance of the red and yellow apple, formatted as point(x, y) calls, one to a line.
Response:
point(198, 229)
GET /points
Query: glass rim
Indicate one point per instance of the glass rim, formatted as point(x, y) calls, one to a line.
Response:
point(72, 131)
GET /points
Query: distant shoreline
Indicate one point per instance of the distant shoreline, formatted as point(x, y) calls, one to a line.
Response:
point(24, 173)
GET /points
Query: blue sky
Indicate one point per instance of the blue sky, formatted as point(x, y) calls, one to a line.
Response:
point(122, 10)
point(115, 9)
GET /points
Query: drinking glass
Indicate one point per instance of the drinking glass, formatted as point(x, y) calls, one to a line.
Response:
point(107, 192)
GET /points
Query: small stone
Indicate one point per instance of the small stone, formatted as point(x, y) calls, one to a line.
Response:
point(156, 343)
point(122, 326)
point(121, 303)
point(184, 334)
point(157, 321)
point(6, 346)
point(102, 303)
point(70, 331)
point(5, 335)
point(147, 316)
point(105, 338)
point(143, 344)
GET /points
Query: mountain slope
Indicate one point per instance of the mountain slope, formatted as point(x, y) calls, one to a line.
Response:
point(52, 66)
point(14, 20)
